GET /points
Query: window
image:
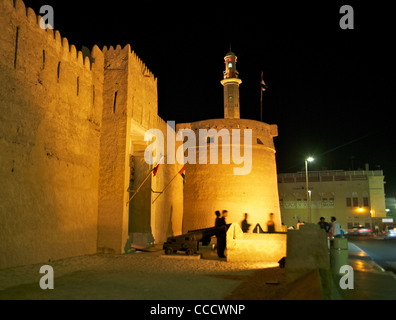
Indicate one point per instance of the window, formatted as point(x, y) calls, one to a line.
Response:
point(16, 47)
point(259, 141)
point(115, 102)
point(355, 202)
point(365, 201)
point(348, 202)
point(230, 65)
point(58, 71)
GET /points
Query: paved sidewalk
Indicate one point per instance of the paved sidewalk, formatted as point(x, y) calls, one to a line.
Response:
point(371, 282)
point(153, 276)
point(136, 276)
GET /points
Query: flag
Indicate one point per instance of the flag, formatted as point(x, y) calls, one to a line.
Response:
point(262, 83)
point(155, 169)
point(183, 174)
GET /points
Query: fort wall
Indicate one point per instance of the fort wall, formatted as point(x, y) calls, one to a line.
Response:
point(69, 124)
point(50, 118)
point(129, 110)
point(212, 187)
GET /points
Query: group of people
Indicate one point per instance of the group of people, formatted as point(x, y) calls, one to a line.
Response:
point(332, 229)
point(221, 221)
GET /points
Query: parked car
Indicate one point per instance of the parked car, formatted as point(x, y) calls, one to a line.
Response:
point(390, 233)
point(359, 231)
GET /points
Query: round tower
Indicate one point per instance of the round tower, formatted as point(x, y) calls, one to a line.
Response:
point(222, 185)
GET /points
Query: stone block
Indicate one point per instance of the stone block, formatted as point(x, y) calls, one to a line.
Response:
point(306, 251)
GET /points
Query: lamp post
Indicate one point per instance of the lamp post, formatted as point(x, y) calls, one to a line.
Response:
point(310, 159)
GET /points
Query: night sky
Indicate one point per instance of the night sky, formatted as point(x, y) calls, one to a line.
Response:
point(331, 91)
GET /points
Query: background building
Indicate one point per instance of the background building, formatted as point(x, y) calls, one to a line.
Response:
point(391, 208)
point(353, 197)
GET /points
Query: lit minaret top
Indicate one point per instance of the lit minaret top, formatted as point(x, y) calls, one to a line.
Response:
point(231, 84)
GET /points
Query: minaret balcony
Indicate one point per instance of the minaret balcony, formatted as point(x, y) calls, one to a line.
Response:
point(230, 80)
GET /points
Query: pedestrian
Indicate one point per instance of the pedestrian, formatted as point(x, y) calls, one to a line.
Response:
point(299, 224)
point(217, 221)
point(245, 225)
point(323, 224)
point(221, 236)
point(271, 223)
point(335, 229)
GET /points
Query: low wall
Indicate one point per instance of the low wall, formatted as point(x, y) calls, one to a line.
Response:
point(263, 247)
point(307, 252)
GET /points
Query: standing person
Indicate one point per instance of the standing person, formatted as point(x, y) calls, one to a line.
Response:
point(245, 225)
point(335, 229)
point(221, 237)
point(299, 224)
point(271, 223)
point(323, 224)
point(217, 221)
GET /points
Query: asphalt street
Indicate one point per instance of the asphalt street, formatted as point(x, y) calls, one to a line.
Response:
point(383, 252)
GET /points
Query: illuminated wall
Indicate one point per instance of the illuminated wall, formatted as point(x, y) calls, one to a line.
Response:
point(69, 124)
point(129, 109)
point(51, 108)
point(211, 187)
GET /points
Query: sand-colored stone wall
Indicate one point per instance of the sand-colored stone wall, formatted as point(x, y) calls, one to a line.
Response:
point(212, 187)
point(129, 110)
point(264, 247)
point(50, 118)
point(69, 124)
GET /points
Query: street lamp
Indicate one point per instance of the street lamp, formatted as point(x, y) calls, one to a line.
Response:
point(310, 159)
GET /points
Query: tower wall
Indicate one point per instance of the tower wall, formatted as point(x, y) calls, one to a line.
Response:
point(211, 187)
point(130, 105)
point(114, 154)
point(231, 84)
point(231, 100)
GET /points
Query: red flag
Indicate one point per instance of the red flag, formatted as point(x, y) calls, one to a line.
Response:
point(156, 169)
point(183, 174)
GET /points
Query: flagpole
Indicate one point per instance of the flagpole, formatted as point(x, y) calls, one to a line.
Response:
point(166, 186)
point(137, 190)
point(261, 106)
point(145, 179)
point(263, 87)
point(261, 98)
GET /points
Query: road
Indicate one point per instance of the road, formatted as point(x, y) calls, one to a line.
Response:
point(383, 252)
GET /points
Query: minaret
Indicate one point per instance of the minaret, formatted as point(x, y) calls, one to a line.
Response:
point(231, 84)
